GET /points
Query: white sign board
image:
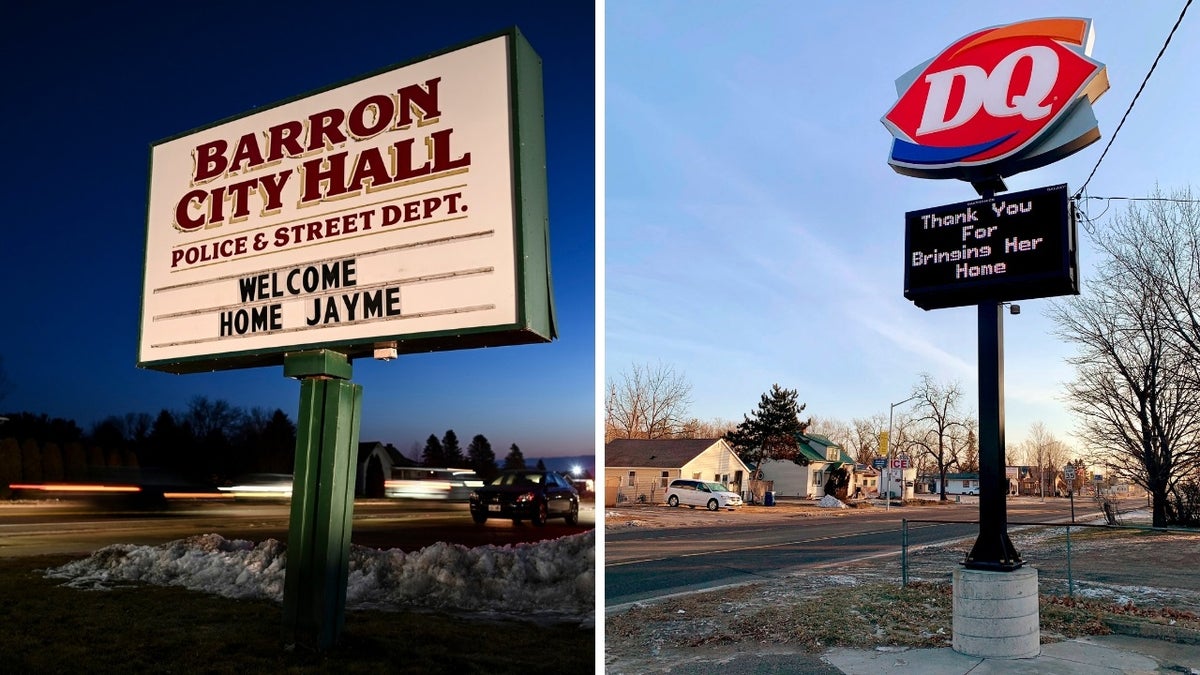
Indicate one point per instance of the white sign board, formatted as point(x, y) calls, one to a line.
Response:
point(407, 206)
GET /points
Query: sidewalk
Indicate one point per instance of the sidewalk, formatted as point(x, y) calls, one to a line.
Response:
point(1092, 655)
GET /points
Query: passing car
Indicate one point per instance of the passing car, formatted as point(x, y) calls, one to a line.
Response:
point(453, 485)
point(260, 486)
point(693, 493)
point(526, 495)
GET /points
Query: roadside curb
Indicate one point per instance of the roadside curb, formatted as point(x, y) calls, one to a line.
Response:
point(1149, 629)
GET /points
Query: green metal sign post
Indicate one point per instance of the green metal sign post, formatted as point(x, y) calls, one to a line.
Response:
point(318, 556)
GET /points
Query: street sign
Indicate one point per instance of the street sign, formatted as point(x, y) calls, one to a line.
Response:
point(1069, 472)
point(880, 462)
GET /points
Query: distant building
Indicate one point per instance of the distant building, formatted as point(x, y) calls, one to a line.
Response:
point(956, 484)
point(375, 464)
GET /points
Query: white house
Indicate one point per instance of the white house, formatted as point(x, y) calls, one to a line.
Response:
point(805, 477)
point(956, 484)
point(639, 471)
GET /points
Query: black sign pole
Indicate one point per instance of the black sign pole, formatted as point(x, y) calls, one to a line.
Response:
point(992, 550)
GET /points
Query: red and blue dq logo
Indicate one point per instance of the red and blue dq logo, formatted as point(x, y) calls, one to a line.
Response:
point(998, 102)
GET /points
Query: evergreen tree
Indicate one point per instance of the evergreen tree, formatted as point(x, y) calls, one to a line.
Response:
point(279, 443)
point(10, 463)
point(514, 459)
point(170, 446)
point(770, 431)
point(480, 457)
point(432, 455)
point(451, 451)
point(31, 461)
point(52, 463)
point(541, 466)
point(109, 432)
point(74, 461)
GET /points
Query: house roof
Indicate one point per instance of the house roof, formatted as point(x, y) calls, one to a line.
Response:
point(665, 453)
point(366, 447)
point(813, 448)
point(812, 454)
point(958, 476)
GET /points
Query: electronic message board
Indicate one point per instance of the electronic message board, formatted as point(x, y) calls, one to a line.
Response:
point(1014, 246)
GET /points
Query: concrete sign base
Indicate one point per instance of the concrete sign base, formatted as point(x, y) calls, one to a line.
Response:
point(996, 613)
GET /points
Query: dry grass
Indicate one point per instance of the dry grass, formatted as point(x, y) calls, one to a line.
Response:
point(862, 616)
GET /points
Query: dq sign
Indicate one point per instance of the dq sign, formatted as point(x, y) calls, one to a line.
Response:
point(998, 102)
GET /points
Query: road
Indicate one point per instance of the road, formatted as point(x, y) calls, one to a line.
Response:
point(645, 563)
point(66, 527)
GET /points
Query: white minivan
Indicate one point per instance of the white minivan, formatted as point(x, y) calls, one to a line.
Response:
point(693, 493)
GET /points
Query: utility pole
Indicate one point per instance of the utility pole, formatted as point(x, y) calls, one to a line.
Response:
point(891, 413)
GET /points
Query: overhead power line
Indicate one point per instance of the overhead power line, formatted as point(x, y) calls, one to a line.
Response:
point(1135, 98)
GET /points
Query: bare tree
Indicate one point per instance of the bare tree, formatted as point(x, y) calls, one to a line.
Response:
point(1135, 388)
point(4, 384)
point(865, 434)
point(1159, 244)
point(835, 430)
point(646, 402)
point(944, 427)
point(1045, 451)
point(698, 428)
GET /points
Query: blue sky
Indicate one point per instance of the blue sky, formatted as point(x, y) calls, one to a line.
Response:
point(754, 230)
point(92, 85)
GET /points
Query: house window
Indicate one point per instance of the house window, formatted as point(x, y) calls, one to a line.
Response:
point(818, 478)
point(696, 475)
point(632, 479)
point(662, 481)
point(966, 483)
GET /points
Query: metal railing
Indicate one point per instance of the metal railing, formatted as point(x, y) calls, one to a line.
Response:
point(1039, 545)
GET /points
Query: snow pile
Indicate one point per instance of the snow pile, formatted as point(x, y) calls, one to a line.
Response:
point(209, 562)
point(831, 502)
point(550, 579)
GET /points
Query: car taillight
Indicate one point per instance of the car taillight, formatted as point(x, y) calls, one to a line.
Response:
point(526, 497)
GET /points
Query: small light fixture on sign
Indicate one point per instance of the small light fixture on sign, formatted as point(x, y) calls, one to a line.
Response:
point(385, 351)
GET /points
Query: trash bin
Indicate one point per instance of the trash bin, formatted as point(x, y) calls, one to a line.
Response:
point(769, 499)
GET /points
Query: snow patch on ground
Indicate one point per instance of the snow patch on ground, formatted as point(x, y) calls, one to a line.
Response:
point(552, 580)
point(831, 502)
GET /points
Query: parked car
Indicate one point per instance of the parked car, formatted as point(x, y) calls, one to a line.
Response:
point(971, 492)
point(693, 493)
point(526, 495)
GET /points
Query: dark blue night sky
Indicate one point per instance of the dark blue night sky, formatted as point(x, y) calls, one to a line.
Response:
point(90, 86)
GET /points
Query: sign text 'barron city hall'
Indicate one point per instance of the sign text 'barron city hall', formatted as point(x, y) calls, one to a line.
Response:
point(408, 206)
